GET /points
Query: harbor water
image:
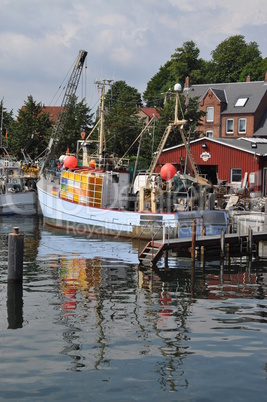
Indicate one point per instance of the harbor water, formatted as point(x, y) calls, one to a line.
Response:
point(90, 323)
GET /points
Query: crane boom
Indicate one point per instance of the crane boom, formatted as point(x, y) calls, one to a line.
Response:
point(69, 93)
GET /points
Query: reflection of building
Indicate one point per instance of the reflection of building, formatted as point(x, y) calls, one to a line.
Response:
point(233, 285)
point(232, 281)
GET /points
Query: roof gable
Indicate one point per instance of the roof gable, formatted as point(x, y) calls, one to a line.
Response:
point(230, 93)
point(253, 146)
point(219, 93)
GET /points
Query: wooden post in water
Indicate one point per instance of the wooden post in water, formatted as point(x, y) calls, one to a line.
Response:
point(165, 237)
point(203, 233)
point(15, 256)
point(222, 243)
point(227, 247)
point(193, 247)
point(14, 305)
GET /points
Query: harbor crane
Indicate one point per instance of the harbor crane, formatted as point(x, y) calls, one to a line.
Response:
point(69, 93)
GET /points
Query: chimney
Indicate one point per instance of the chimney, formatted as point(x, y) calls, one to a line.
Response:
point(248, 78)
point(187, 83)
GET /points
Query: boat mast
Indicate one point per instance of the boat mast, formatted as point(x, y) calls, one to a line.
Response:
point(102, 84)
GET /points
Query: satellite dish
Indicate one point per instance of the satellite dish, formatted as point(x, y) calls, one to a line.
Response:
point(177, 87)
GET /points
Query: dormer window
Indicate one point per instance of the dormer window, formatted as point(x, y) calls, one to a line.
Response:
point(241, 102)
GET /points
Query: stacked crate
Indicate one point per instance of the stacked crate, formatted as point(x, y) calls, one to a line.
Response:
point(83, 187)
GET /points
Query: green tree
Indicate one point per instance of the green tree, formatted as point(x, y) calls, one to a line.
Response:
point(230, 57)
point(78, 118)
point(255, 69)
point(122, 125)
point(157, 86)
point(6, 121)
point(185, 61)
point(30, 131)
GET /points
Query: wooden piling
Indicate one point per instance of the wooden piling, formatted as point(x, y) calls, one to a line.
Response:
point(166, 254)
point(14, 305)
point(193, 247)
point(15, 256)
point(202, 252)
point(222, 243)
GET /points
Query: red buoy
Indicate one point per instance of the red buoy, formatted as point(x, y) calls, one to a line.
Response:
point(92, 163)
point(167, 171)
point(70, 162)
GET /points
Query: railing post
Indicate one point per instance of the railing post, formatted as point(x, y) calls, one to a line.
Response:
point(163, 233)
point(250, 240)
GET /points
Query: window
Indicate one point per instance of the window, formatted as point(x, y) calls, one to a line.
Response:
point(230, 126)
point(242, 125)
point(241, 102)
point(236, 175)
point(209, 134)
point(210, 113)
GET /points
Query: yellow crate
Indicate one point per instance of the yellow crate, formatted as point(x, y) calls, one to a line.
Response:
point(71, 175)
point(63, 194)
point(84, 178)
point(84, 186)
point(99, 180)
point(83, 192)
point(70, 189)
point(76, 197)
point(91, 178)
point(77, 177)
point(65, 173)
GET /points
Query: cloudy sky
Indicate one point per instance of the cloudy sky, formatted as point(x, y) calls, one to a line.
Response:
point(125, 39)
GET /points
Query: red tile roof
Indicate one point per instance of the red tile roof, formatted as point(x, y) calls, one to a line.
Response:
point(52, 111)
point(150, 111)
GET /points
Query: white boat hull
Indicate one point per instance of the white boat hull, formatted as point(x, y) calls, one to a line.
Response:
point(22, 203)
point(86, 219)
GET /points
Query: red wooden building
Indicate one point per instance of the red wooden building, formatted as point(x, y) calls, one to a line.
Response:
point(233, 160)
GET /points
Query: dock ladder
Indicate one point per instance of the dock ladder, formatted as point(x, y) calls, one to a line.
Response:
point(153, 250)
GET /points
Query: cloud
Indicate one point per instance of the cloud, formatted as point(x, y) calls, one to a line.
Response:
point(39, 40)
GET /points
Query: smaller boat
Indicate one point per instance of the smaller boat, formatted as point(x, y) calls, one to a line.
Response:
point(15, 196)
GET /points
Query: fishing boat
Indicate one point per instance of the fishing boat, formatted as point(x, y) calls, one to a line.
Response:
point(15, 197)
point(97, 194)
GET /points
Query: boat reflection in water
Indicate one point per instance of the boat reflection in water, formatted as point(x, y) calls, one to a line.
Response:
point(110, 297)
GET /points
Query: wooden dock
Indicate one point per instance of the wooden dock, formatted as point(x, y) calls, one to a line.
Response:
point(155, 249)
